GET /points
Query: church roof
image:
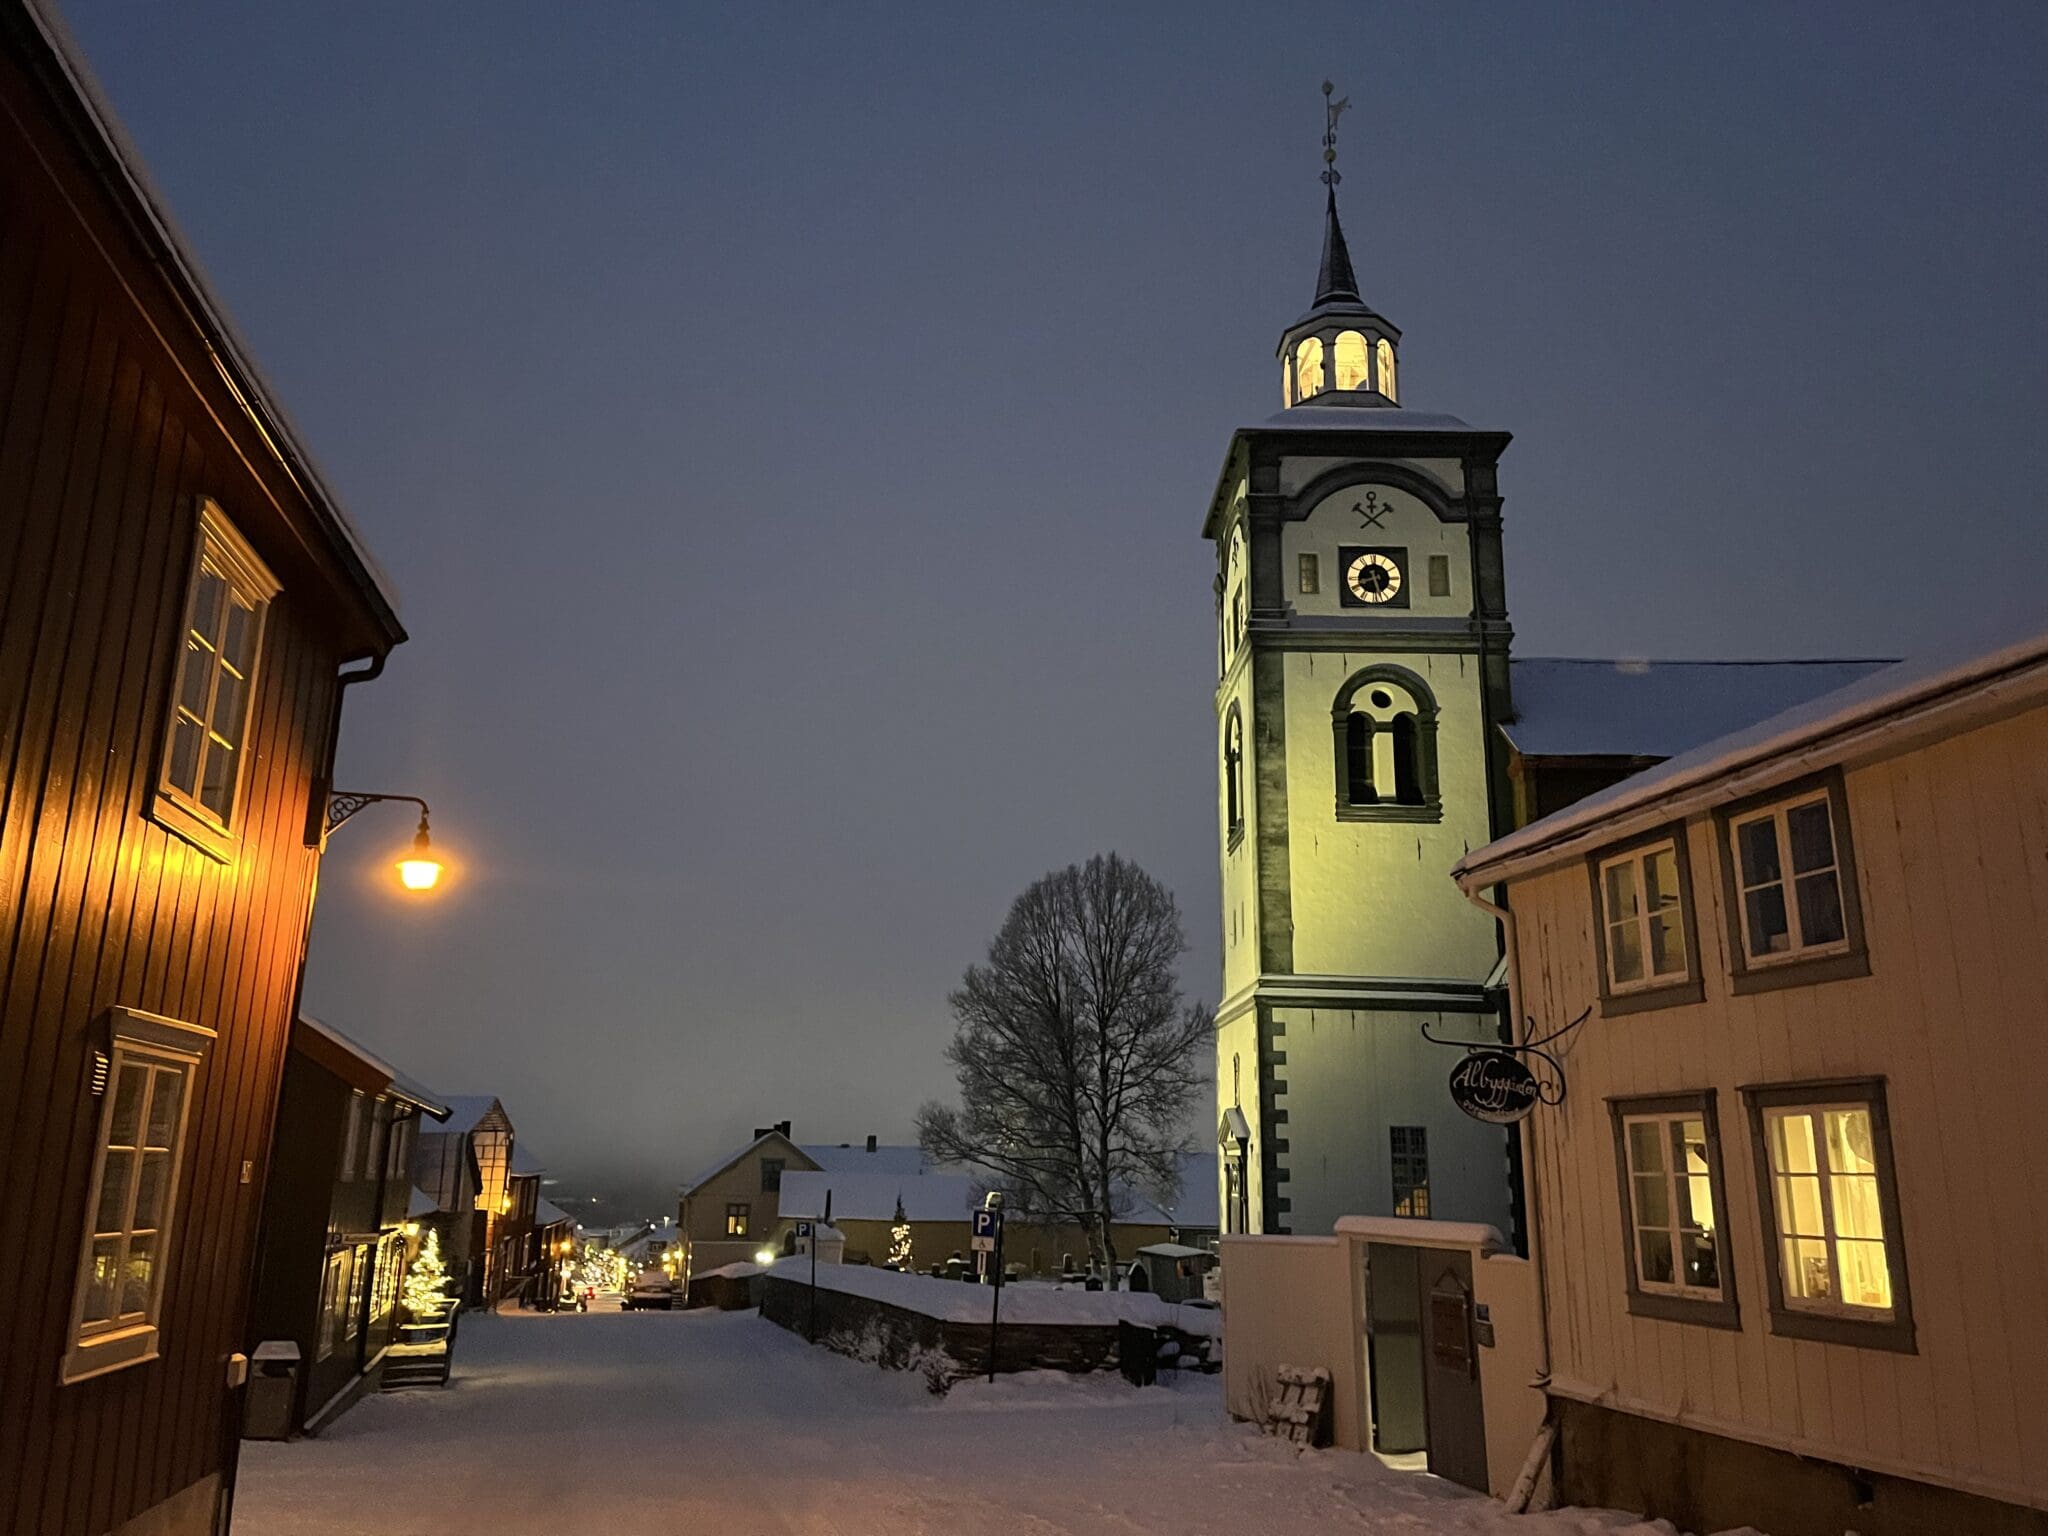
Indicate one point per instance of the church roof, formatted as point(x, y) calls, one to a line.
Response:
point(1336, 283)
point(1886, 704)
point(1576, 707)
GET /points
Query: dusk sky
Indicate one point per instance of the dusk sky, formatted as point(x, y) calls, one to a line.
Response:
point(789, 430)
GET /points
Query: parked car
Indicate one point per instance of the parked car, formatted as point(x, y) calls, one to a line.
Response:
point(653, 1289)
point(571, 1300)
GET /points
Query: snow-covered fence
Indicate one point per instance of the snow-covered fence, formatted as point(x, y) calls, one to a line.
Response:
point(941, 1327)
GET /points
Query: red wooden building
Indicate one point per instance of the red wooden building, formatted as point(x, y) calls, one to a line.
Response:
point(179, 596)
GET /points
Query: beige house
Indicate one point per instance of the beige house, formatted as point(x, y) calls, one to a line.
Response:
point(733, 1209)
point(1789, 1215)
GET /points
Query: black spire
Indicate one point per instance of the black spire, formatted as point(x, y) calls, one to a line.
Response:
point(1336, 282)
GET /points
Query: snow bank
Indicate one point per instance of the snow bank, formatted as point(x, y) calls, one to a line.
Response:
point(740, 1271)
point(1024, 1301)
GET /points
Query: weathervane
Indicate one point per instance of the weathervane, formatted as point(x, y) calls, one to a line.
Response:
point(1332, 110)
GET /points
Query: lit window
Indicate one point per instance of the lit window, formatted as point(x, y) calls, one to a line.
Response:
point(133, 1203)
point(1830, 1205)
point(1790, 883)
point(1641, 900)
point(1352, 361)
point(1671, 1203)
point(1287, 381)
point(1386, 367)
point(223, 638)
point(1308, 367)
point(1829, 1219)
point(1410, 1161)
point(736, 1215)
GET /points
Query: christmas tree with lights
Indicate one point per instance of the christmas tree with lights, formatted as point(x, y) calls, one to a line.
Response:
point(899, 1239)
point(426, 1282)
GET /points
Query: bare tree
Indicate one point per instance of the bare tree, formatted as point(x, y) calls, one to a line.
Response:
point(1077, 1060)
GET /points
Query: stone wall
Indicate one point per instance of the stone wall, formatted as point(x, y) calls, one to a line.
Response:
point(899, 1339)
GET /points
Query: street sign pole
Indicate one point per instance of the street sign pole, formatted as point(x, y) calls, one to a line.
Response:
point(995, 1304)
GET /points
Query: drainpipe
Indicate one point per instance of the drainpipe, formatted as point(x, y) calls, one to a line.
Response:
point(1539, 1451)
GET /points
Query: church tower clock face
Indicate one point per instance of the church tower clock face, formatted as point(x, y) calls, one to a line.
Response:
point(1373, 578)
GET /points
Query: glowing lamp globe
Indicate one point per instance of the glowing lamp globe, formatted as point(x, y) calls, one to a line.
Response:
point(421, 871)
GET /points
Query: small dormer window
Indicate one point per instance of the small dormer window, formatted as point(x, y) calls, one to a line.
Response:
point(1287, 381)
point(1353, 361)
point(1386, 368)
point(1308, 368)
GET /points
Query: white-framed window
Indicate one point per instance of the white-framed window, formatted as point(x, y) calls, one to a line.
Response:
point(1673, 1241)
point(1384, 353)
point(334, 1289)
point(358, 1286)
point(225, 606)
point(1642, 899)
point(1827, 1204)
point(1788, 878)
point(131, 1213)
point(351, 1135)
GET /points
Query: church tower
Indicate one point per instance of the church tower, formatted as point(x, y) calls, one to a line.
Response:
point(1362, 657)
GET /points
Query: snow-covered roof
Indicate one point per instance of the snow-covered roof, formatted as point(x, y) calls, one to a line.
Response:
point(466, 1110)
point(873, 1196)
point(1567, 707)
point(1310, 417)
point(370, 1071)
point(1860, 719)
point(1175, 1251)
point(854, 1157)
point(1197, 1204)
point(664, 1232)
point(547, 1214)
point(526, 1163)
point(729, 1158)
point(419, 1203)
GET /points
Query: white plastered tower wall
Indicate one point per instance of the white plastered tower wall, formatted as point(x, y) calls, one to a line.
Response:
point(1342, 939)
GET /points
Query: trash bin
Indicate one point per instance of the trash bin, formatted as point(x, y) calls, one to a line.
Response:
point(273, 1391)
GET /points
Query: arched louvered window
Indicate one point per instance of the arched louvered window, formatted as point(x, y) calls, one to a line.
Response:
point(1385, 719)
point(1358, 787)
point(1407, 761)
point(1233, 773)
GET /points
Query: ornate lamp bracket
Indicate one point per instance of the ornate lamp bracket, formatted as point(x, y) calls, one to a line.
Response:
point(342, 804)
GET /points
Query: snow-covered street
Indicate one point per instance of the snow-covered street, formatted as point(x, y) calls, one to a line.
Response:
point(721, 1423)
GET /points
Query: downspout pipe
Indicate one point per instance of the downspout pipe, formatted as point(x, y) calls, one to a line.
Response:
point(1538, 1452)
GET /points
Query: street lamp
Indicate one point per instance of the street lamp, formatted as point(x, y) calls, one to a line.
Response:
point(421, 871)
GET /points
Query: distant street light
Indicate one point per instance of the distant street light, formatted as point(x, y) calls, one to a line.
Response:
point(421, 871)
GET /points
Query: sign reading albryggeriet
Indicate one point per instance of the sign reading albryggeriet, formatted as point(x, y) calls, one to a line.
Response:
point(1493, 1086)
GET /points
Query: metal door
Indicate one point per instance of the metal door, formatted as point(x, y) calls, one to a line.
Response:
point(1450, 1369)
point(1393, 1324)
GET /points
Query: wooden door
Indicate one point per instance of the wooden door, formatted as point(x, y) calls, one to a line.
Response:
point(1456, 1413)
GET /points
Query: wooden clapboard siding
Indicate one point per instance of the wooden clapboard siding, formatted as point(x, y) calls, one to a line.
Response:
point(114, 422)
point(1951, 844)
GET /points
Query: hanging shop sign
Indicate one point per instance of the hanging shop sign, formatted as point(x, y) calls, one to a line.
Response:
point(1493, 1086)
